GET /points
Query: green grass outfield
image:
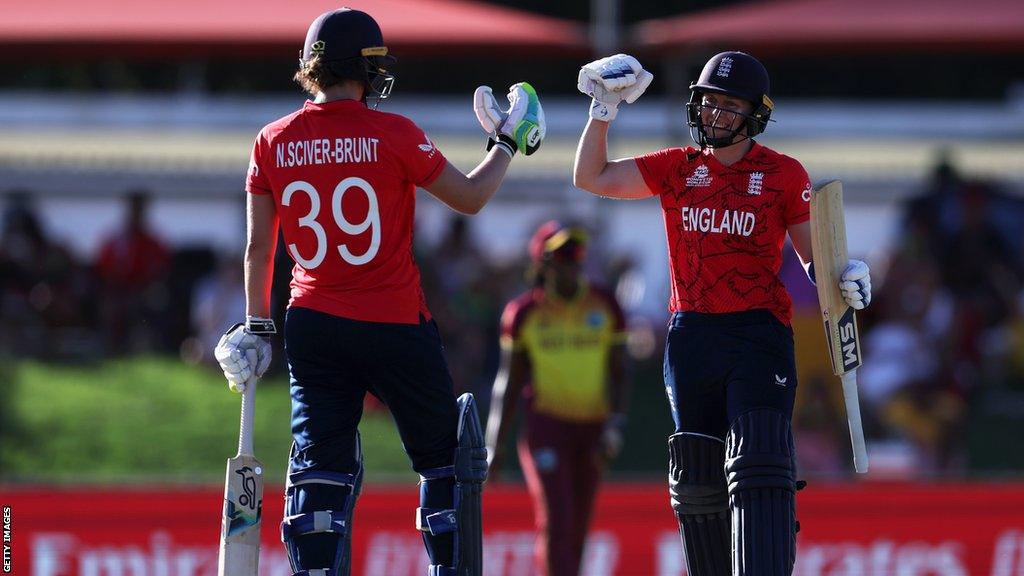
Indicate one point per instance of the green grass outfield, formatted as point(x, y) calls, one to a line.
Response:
point(151, 419)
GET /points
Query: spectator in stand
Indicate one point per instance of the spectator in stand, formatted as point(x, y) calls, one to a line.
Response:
point(979, 268)
point(132, 266)
point(908, 387)
point(466, 305)
point(41, 286)
point(218, 300)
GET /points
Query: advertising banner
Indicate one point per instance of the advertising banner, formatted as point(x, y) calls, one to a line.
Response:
point(875, 529)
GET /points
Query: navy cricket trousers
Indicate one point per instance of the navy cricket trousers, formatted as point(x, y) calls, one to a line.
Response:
point(719, 366)
point(333, 362)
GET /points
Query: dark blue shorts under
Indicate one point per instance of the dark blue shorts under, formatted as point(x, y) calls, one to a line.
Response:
point(719, 366)
point(333, 362)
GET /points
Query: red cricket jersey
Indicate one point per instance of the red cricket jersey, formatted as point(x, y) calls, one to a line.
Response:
point(344, 180)
point(726, 226)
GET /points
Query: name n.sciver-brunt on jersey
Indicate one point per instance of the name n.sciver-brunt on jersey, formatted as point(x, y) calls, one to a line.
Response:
point(326, 151)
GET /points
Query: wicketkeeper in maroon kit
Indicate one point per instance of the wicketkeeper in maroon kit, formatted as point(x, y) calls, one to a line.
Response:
point(339, 178)
point(730, 375)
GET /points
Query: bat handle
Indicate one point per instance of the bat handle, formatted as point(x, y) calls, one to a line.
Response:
point(248, 413)
point(860, 451)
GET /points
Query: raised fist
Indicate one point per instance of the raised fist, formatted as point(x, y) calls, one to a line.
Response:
point(610, 81)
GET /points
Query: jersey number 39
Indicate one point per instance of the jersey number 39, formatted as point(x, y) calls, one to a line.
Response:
point(372, 222)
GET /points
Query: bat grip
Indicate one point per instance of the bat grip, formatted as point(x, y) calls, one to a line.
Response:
point(860, 451)
point(248, 413)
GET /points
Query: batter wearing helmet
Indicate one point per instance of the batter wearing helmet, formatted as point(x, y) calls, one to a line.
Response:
point(563, 352)
point(730, 375)
point(339, 178)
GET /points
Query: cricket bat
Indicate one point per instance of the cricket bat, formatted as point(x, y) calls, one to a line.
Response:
point(243, 500)
point(828, 241)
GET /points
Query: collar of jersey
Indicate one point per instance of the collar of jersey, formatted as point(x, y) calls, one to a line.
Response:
point(710, 158)
point(333, 104)
point(552, 295)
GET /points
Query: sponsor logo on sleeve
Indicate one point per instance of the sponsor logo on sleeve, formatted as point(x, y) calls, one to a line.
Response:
point(428, 148)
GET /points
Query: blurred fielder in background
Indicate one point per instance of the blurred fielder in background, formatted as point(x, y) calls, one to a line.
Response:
point(729, 369)
point(340, 179)
point(563, 350)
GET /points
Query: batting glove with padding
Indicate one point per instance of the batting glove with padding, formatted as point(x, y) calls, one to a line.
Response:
point(521, 127)
point(244, 351)
point(610, 81)
point(855, 284)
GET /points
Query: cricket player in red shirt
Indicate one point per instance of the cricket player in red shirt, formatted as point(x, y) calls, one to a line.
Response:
point(730, 373)
point(339, 178)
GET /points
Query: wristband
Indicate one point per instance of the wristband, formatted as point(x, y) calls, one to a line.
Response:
point(260, 326)
point(505, 143)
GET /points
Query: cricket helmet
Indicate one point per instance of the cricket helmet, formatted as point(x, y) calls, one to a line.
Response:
point(735, 74)
point(345, 38)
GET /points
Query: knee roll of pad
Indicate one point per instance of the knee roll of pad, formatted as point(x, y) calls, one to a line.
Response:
point(701, 502)
point(760, 465)
point(316, 529)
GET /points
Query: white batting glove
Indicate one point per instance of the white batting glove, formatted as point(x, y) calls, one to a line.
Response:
point(855, 284)
point(244, 352)
point(521, 127)
point(612, 80)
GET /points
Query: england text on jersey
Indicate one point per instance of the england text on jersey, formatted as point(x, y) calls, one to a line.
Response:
point(709, 220)
point(326, 151)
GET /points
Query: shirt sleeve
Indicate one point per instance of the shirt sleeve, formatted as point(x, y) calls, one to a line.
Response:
point(422, 160)
point(656, 168)
point(797, 208)
point(256, 179)
point(512, 320)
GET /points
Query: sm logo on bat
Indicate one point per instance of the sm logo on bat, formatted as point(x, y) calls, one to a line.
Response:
point(848, 341)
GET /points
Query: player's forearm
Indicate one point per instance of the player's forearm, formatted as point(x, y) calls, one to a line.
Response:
point(485, 180)
point(800, 236)
point(261, 243)
point(591, 157)
point(259, 272)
